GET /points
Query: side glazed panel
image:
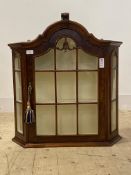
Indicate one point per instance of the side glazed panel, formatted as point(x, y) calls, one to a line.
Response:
point(18, 93)
point(114, 92)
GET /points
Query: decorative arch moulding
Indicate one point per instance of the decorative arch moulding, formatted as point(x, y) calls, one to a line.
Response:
point(65, 23)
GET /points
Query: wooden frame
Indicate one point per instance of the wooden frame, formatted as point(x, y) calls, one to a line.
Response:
point(88, 43)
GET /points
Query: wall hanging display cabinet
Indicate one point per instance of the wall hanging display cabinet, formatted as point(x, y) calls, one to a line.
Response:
point(65, 88)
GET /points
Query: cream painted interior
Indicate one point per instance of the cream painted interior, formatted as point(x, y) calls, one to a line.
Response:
point(18, 86)
point(113, 83)
point(19, 117)
point(45, 119)
point(66, 87)
point(66, 92)
point(60, 43)
point(45, 87)
point(17, 61)
point(66, 119)
point(45, 61)
point(114, 61)
point(65, 60)
point(113, 94)
point(113, 116)
point(87, 61)
point(87, 86)
point(88, 119)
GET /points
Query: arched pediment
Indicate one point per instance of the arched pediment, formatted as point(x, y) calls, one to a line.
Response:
point(65, 26)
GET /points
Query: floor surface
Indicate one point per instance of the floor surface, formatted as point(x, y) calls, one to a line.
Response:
point(115, 160)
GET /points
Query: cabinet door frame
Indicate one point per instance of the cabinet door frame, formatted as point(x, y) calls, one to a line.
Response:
point(33, 138)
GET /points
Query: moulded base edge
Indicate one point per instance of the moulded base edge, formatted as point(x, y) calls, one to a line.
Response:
point(67, 144)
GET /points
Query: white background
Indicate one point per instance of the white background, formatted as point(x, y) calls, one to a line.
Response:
point(21, 20)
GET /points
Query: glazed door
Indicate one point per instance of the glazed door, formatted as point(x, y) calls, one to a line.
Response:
point(67, 95)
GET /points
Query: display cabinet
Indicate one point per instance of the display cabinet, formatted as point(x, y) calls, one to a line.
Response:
point(65, 88)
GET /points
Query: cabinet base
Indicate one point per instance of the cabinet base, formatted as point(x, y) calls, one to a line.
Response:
point(67, 144)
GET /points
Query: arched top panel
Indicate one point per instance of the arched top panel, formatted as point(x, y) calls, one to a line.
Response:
point(68, 28)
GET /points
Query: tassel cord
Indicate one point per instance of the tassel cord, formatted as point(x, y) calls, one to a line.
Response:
point(29, 116)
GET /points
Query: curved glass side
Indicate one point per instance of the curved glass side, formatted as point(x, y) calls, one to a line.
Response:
point(18, 93)
point(114, 93)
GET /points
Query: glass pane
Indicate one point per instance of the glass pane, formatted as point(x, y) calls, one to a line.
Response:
point(45, 62)
point(18, 86)
point(114, 61)
point(113, 116)
point(19, 117)
point(66, 87)
point(45, 120)
point(65, 59)
point(88, 119)
point(45, 87)
point(87, 61)
point(87, 86)
point(66, 119)
point(17, 61)
point(113, 95)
